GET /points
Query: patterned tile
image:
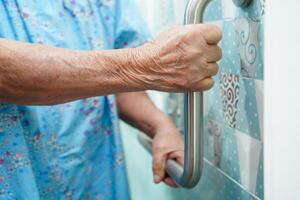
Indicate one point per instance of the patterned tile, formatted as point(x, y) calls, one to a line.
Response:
point(176, 109)
point(248, 117)
point(249, 40)
point(215, 106)
point(214, 186)
point(234, 108)
point(249, 150)
point(229, 157)
point(221, 148)
point(230, 89)
point(242, 46)
point(230, 62)
point(235, 154)
point(213, 138)
point(213, 11)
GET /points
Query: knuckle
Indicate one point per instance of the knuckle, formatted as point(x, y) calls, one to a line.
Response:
point(209, 84)
point(156, 165)
point(190, 34)
point(217, 68)
point(183, 82)
point(219, 53)
point(204, 64)
point(212, 31)
point(214, 68)
point(181, 85)
point(200, 52)
point(186, 37)
point(194, 33)
point(156, 169)
point(187, 82)
point(195, 88)
point(192, 86)
point(158, 149)
point(205, 85)
point(216, 31)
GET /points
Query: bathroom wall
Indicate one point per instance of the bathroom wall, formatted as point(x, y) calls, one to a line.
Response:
point(233, 167)
point(282, 136)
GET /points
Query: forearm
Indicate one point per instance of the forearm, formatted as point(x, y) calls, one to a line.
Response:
point(137, 109)
point(41, 75)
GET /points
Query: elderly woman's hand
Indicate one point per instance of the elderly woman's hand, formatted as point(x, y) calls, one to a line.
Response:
point(184, 58)
point(167, 144)
point(181, 59)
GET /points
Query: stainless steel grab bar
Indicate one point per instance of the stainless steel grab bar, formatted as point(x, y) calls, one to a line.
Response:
point(242, 3)
point(189, 175)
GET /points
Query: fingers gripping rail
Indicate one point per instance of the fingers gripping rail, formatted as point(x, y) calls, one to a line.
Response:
point(189, 175)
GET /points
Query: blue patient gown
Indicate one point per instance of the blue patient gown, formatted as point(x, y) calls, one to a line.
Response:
point(72, 150)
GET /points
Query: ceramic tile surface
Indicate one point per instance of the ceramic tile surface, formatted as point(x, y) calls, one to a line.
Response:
point(214, 186)
point(234, 108)
point(230, 92)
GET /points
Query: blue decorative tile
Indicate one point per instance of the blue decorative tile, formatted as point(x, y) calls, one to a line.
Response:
point(249, 151)
point(213, 11)
point(175, 109)
point(230, 89)
point(215, 106)
point(243, 48)
point(221, 148)
point(213, 139)
point(249, 41)
point(229, 155)
point(247, 115)
point(260, 177)
point(214, 186)
point(234, 106)
point(230, 62)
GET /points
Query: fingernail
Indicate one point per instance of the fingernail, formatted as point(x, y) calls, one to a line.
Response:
point(156, 178)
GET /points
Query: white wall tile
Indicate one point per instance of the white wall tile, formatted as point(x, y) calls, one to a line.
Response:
point(229, 9)
point(259, 90)
point(248, 153)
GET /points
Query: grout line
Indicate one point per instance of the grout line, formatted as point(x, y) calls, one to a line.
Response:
point(231, 179)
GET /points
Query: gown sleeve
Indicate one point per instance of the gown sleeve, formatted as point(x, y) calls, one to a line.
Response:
point(130, 28)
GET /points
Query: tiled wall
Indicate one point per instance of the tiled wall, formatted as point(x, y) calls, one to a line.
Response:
point(234, 108)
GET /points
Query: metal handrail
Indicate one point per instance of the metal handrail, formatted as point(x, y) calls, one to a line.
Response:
point(189, 175)
point(242, 3)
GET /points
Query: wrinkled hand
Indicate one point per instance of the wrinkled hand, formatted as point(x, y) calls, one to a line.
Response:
point(184, 58)
point(167, 144)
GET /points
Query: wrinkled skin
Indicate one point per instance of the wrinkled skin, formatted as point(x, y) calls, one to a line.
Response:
point(184, 58)
point(167, 144)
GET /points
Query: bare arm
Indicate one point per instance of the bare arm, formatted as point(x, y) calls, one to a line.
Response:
point(137, 109)
point(39, 74)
